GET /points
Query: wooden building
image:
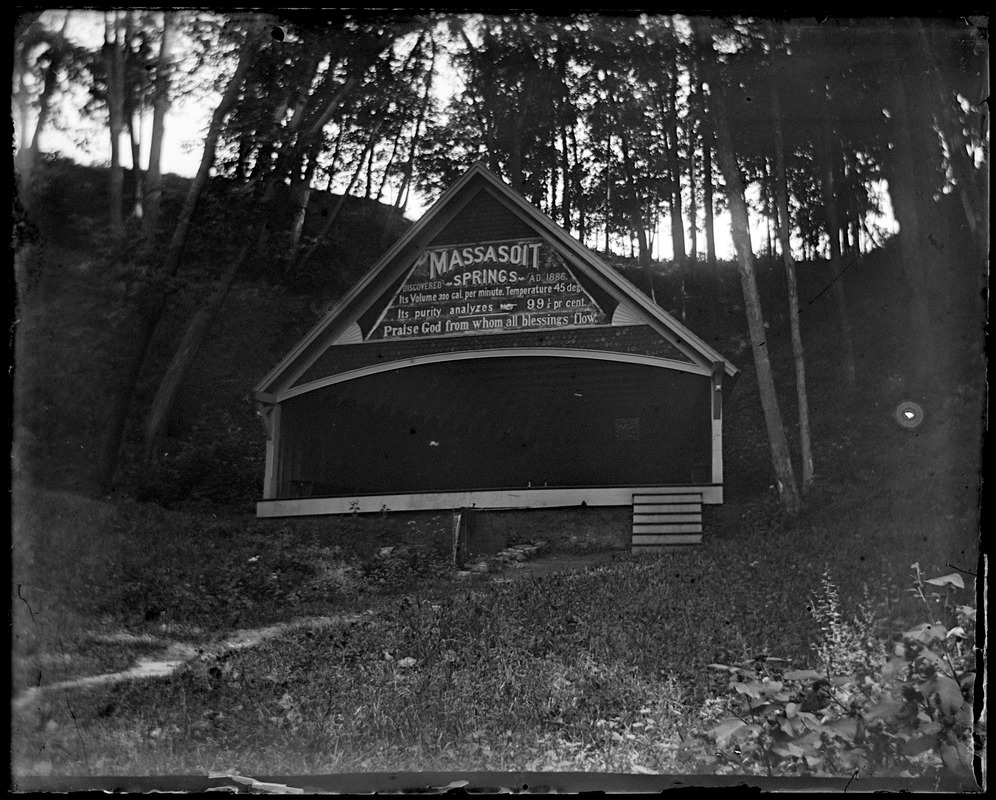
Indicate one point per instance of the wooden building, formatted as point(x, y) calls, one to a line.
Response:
point(490, 360)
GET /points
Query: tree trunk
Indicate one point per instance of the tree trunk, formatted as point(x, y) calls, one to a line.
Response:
point(903, 193)
point(389, 166)
point(135, 137)
point(781, 194)
point(693, 211)
point(341, 202)
point(22, 99)
point(333, 167)
point(50, 83)
point(578, 190)
point(565, 171)
point(693, 223)
point(117, 413)
point(153, 301)
point(171, 260)
point(164, 404)
point(300, 197)
point(160, 107)
point(133, 108)
point(328, 107)
point(958, 158)
point(608, 192)
point(516, 176)
point(780, 456)
point(710, 226)
point(401, 202)
point(304, 141)
point(335, 101)
point(674, 161)
point(769, 207)
point(114, 66)
point(828, 193)
point(637, 219)
point(717, 316)
point(551, 171)
point(962, 168)
point(707, 74)
point(401, 129)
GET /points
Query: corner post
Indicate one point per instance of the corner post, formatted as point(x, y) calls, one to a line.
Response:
point(269, 414)
point(718, 369)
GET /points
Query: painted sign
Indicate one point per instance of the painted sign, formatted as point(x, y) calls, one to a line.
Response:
point(493, 287)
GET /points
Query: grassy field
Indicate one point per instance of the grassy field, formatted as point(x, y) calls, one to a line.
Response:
point(605, 669)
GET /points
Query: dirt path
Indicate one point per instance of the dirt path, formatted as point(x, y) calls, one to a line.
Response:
point(174, 655)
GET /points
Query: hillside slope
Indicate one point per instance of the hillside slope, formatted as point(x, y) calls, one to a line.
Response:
point(870, 471)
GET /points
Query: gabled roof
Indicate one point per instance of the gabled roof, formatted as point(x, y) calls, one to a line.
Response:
point(339, 326)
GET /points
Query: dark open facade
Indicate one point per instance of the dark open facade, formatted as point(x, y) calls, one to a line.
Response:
point(497, 423)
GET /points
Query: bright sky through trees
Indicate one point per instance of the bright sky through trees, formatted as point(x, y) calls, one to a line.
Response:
point(85, 139)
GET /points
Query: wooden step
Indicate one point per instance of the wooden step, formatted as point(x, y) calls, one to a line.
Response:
point(664, 522)
point(664, 508)
point(662, 530)
point(666, 543)
point(666, 519)
point(693, 497)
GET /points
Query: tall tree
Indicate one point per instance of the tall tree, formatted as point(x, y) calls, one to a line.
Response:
point(134, 82)
point(113, 53)
point(401, 200)
point(160, 106)
point(906, 192)
point(636, 210)
point(784, 236)
point(693, 211)
point(672, 143)
point(954, 132)
point(708, 200)
point(780, 456)
point(511, 105)
point(829, 161)
point(702, 50)
point(53, 54)
point(152, 298)
point(340, 203)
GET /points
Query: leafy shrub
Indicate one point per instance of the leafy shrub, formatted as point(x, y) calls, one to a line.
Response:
point(860, 711)
point(222, 464)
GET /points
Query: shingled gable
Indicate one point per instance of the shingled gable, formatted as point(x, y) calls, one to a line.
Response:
point(492, 205)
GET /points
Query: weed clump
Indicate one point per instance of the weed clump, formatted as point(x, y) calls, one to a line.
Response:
point(861, 711)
